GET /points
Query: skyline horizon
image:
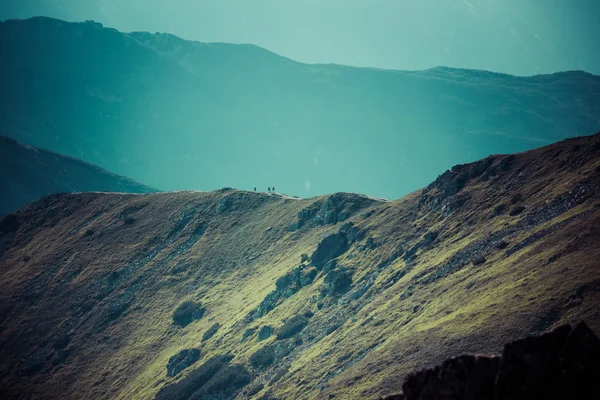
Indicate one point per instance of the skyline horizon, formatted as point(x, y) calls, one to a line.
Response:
point(439, 66)
point(519, 38)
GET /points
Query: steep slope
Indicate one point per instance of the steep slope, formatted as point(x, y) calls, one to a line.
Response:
point(251, 295)
point(29, 174)
point(165, 111)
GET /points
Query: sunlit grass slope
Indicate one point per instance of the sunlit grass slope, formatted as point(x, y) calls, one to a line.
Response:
point(489, 252)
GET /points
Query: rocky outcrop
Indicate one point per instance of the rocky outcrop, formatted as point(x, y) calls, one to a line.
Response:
point(443, 193)
point(285, 287)
point(330, 247)
point(187, 312)
point(182, 360)
point(335, 208)
point(338, 281)
point(561, 364)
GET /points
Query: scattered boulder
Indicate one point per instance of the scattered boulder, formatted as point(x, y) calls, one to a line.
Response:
point(499, 209)
point(118, 306)
point(307, 276)
point(181, 361)
point(247, 333)
point(288, 284)
point(279, 373)
point(329, 266)
point(265, 333)
point(502, 244)
point(429, 237)
point(337, 282)
point(479, 260)
point(399, 252)
point(330, 247)
point(270, 301)
point(370, 244)
point(427, 240)
point(292, 327)
point(263, 357)
point(255, 389)
point(129, 221)
point(210, 332)
point(285, 287)
point(332, 328)
point(303, 258)
point(516, 210)
point(187, 312)
point(355, 235)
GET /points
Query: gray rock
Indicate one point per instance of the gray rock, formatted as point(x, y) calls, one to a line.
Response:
point(330, 265)
point(265, 333)
point(330, 247)
point(307, 276)
point(181, 361)
point(338, 281)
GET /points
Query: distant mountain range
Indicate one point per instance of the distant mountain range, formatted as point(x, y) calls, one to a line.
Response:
point(29, 174)
point(233, 294)
point(178, 114)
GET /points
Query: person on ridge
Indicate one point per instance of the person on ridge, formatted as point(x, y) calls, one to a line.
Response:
point(255, 188)
point(269, 189)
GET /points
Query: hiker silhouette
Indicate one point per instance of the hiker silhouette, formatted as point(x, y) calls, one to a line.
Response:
point(269, 189)
point(255, 188)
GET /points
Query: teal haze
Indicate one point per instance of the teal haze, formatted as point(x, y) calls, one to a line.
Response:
point(177, 115)
point(521, 37)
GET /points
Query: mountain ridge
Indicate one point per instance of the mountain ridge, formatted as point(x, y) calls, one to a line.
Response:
point(29, 173)
point(162, 110)
point(337, 296)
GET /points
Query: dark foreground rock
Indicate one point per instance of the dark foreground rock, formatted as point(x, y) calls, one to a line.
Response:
point(561, 364)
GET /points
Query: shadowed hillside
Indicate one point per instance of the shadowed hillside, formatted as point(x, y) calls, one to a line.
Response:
point(29, 174)
point(250, 295)
point(168, 112)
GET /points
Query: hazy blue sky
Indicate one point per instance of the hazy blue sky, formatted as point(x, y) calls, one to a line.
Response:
point(521, 37)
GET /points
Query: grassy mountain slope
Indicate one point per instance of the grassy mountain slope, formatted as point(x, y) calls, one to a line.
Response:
point(489, 252)
point(29, 174)
point(164, 111)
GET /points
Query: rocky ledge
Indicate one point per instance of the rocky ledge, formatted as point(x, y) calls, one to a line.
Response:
point(561, 364)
